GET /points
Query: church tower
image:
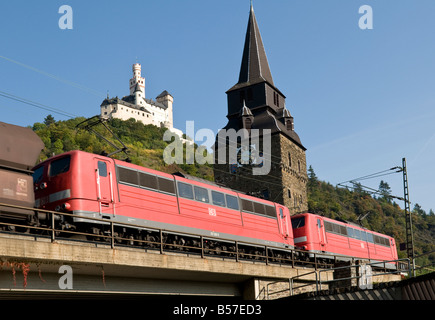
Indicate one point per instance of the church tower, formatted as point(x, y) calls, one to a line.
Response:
point(254, 102)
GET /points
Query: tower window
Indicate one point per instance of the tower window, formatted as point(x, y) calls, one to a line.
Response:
point(289, 193)
point(289, 159)
point(276, 99)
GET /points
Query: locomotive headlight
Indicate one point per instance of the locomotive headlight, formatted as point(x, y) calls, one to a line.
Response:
point(66, 206)
point(43, 185)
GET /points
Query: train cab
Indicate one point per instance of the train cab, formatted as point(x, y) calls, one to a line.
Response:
point(305, 236)
point(77, 182)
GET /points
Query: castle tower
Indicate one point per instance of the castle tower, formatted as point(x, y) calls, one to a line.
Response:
point(167, 100)
point(137, 79)
point(256, 103)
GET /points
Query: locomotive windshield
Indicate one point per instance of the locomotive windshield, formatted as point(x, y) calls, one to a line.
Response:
point(59, 166)
point(37, 175)
point(298, 222)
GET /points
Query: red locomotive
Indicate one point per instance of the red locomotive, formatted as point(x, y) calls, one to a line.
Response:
point(95, 186)
point(318, 234)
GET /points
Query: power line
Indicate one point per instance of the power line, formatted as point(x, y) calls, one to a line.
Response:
point(374, 175)
point(73, 84)
point(37, 104)
point(382, 173)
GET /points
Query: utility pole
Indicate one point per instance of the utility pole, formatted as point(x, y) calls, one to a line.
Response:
point(408, 219)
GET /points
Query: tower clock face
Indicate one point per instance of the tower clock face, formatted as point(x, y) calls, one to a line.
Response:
point(248, 156)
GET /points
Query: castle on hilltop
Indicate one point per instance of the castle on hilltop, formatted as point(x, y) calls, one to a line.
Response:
point(156, 112)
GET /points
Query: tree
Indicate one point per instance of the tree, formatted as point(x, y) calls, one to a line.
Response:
point(49, 120)
point(312, 178)
point(385, 191)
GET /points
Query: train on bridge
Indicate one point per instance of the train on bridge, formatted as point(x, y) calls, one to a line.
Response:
point(137, 201)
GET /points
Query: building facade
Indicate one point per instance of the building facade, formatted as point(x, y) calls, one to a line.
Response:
point(157, 112)
point(254, 102)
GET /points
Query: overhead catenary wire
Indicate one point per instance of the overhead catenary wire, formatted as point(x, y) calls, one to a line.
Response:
point(71, 83)
point(373, 191)
point(374, 175)
point(37, 104)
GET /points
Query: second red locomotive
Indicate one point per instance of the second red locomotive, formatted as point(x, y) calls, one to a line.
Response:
point(317, 234)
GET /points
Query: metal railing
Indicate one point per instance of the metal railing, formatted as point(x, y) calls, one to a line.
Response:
point(55, 231)
point(291, 284)
point(315, 277)
point(401, 266)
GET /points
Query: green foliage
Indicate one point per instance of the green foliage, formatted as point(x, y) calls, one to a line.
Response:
point(381, 214)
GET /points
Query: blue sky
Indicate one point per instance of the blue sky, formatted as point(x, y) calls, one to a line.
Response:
point(362, 99)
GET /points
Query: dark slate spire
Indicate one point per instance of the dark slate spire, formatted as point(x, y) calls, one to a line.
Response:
point(255, 67)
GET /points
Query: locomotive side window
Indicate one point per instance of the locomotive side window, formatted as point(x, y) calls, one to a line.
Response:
point(218, 198)
point(185, 190)
point(343, 230)
point(102, 169)
point(147, 180)
point(59, 166)
point(232, 202)
point(370, 237)
point(335, 228)
point(128, 176)
point(166, 185)
point(357, 234)
point(270, 211)
point(350, 232)
point(259, 208)
point(247, 205)
point(201, 194)
point(382, 241)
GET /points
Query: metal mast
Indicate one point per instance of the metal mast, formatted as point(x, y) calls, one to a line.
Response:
point(408, 218)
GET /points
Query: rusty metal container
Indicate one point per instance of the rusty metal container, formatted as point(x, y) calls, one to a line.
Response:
point(19, 151)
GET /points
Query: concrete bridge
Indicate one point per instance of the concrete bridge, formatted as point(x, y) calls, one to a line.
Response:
point(34, 266)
